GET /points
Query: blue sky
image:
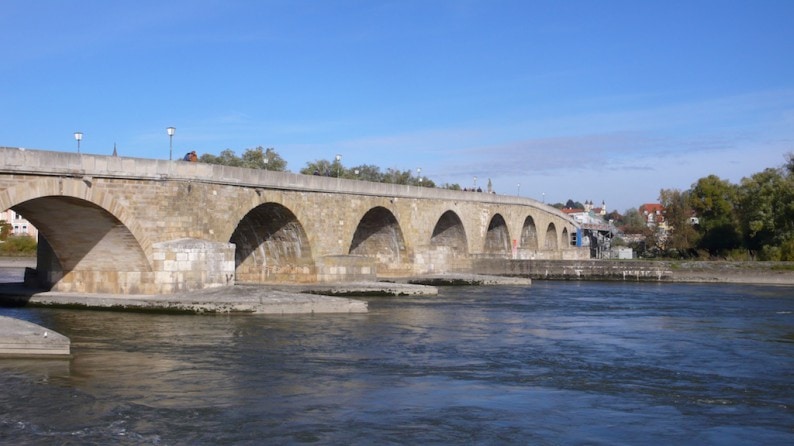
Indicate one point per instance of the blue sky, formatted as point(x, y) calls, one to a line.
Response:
point(589, 100)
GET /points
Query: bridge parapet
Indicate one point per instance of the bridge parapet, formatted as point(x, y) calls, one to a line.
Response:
point(41, 162)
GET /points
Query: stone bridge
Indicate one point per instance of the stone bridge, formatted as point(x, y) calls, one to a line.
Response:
point(122, 225)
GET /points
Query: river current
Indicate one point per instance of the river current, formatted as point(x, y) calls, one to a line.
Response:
point(552, 363)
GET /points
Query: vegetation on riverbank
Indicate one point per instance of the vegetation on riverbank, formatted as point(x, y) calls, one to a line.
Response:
point(717, 220)
point(15, 245)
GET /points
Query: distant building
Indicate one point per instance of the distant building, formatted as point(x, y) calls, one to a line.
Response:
point(19, 225)
point(588, 207)
point(595, 232)
point(623, 253)
point(654, 215)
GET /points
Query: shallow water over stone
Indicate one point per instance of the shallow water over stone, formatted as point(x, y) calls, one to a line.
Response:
point(554, 363)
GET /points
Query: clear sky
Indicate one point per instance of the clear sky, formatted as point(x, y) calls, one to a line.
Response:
point(588, 100)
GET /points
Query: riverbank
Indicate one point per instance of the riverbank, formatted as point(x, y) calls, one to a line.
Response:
point(759, 273)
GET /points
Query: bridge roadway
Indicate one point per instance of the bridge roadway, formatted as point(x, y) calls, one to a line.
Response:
point(123, 225)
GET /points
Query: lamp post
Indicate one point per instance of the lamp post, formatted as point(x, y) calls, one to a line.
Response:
point(419, 174)
point(338, 164)
point(79, 137)
point(518, 189)
point(475, 183)
point(170, 131)
point(544, 197)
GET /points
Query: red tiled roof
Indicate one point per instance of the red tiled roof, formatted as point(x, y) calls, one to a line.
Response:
point(651, 208)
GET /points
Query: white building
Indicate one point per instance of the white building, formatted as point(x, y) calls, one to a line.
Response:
point(19, 226)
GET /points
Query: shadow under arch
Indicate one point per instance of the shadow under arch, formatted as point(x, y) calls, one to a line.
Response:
point(566, 240)
point(529, 234)
point(81, 237)
point(378, 235)
point(449, 233)
point(550, 241)
point(449, 246)
point(271, 246)
point(497, 239)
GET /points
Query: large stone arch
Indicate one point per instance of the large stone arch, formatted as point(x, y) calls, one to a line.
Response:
point(379, 236)
point(450, 233)
point(550, 242)
point(448, 247)
point(271, 246)
point(82, 191)
point(84, 236)
point(529, 234)
point(497, 238)
point(566, 240)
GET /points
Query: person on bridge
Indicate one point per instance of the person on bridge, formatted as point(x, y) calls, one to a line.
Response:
point(191, 156)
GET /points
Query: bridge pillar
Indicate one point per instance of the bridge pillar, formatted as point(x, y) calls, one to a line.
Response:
point(346, 268)
point(192, 264)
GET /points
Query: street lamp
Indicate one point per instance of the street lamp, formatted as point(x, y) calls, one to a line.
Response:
point(170, 131)
point(518, 189)
point(475, 183)
point(338, 165)
point(79, 137)
point(419, 174)
point(544, 197)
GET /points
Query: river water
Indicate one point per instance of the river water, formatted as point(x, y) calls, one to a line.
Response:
point(552, 363)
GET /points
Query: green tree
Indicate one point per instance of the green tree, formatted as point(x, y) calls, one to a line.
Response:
point(18, 245)
point(682, 236)
point(261, 158)
point(714, 201)
point(766, 203)
point(5, 230)
point(634, 222)
point(256, 158)
point(225, 158)
point(396, 176)
point(317, 167)
point(367, 172)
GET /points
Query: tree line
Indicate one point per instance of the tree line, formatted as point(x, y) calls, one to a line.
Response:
point(750, 220)
point(269, 159)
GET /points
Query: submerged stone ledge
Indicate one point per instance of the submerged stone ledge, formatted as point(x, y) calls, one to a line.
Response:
point(241, 298)
point(234, 299)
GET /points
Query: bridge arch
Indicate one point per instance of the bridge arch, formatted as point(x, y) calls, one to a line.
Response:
point(566, 239)
point(449, 233)
point(25, 202)
point(529, 234)
point(271, 246)
point(88, 241)
point(551, 237)
point(497, 237)
point(378, 235)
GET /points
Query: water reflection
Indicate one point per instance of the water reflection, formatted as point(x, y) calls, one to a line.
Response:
point(555, 363)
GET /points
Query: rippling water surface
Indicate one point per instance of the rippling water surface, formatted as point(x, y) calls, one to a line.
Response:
point(554, 363)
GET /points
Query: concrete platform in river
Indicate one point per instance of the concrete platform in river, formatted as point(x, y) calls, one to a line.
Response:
point(23, 339)
point(260, 299)
point(250, 298)
point(235, 299)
